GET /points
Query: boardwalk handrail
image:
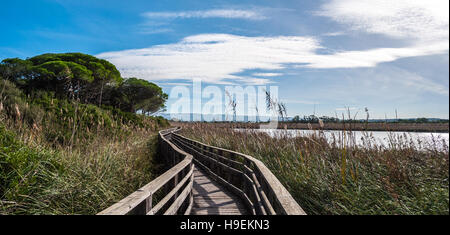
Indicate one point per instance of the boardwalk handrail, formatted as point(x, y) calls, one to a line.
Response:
point(246, 176)
point(175, 184)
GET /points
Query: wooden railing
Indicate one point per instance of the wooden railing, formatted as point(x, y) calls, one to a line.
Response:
point(174, 186)
point(244, 175)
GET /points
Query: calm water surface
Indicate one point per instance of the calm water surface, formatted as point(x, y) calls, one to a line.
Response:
point(378, 138)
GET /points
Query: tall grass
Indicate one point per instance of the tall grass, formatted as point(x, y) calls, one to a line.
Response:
point(340, 177)
point(63, 157)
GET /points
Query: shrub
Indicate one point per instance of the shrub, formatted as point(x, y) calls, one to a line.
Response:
point(59, 156)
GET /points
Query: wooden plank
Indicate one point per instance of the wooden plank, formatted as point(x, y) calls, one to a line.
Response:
point(180, 199)
point(284, 203)
point(217, 202)
point(267, 206)
point(235, 190)
point(255, 196)
point(139, 198)
point(172, 193)
point(288, 205)
point(235, 164)
point(222, 165)
point(211, 190)
point(189, 208)
point(211, 198)
point(265, 201)
point(212, 194)
point(218, 211)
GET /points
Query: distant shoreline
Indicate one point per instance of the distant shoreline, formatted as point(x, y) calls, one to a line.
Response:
point(394, 127)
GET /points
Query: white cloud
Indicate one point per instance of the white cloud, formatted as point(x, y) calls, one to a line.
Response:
point(372, 57)
point(421, 83)
point(256, 81)
point(213, 58)
point(423, 20)
point(333, 34)
point(218, 58)
point(422, 24)
point(267, 74)
point(391, 78)
point(148, 31)
point(216, 13)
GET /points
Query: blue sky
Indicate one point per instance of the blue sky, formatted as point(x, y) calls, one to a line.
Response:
point(323, 55)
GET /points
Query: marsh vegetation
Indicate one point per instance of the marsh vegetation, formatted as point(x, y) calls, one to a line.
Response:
point(339, 177)
point(67, 146)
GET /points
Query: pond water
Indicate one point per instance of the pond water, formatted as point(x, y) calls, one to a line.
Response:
point(385, 139)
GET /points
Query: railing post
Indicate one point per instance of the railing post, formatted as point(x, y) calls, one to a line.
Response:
point(173, 157)
point(166, 152)
point(148, 203)
point(215, 163)
point(175, 182)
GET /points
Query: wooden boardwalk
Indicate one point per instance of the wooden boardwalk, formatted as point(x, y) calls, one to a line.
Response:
point(211, 198)
point(206, 180)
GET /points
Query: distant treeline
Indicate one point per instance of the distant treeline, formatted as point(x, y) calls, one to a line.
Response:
point(308, 119)
point(84, 78)
point(371, 126)
point(326, 119)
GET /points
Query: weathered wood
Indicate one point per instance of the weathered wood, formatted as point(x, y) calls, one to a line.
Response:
point(211, 198)
point(213, 181)
point(264, 200)
point(172, 193)
point(219, 164)
point(180, 199)
point(235, 164)
point(191, 203)
point(140, 202)
point(230, 187)
point(282, 201)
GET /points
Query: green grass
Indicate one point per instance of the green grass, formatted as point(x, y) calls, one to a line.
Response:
point(62, 157)
point(39, 180)
point(342, 178)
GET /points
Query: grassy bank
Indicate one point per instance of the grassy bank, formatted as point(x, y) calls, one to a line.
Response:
point(342, 178)
point(59, 156)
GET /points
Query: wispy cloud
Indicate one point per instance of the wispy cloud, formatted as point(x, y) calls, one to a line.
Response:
point(215, 13)
point(267, 74)
point(13, 51)
point(148, 31)
point(403, 79)
point(372, 57)
point(422, 25)
point(212, 57)
point(160, 22)
point(334, 34)
point(256, 81)
point(218, 58)
point(423, 20)
point(346, 109)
